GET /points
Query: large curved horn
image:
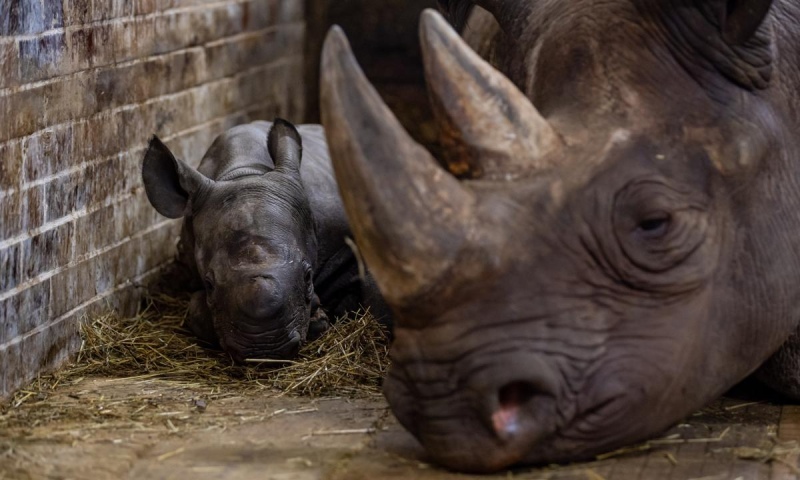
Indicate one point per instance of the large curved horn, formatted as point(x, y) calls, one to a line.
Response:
point(409, 216)
point(486, 122)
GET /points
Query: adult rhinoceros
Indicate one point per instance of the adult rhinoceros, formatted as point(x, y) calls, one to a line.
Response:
point(623, 253)
point(264, 236)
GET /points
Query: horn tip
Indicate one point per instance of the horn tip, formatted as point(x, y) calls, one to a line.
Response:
point(430, 15)
point(432, 25)
point(335, 49)
point(336, 38)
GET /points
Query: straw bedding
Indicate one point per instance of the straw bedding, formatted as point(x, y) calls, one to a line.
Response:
point(350, 359)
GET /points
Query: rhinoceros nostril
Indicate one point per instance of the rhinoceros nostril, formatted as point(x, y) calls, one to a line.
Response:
point(507, 419)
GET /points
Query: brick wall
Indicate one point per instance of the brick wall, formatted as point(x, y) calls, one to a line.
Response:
point(83, 84)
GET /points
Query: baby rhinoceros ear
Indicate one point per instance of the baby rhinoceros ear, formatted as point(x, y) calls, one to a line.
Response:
point(285, 146)
point(170, 183)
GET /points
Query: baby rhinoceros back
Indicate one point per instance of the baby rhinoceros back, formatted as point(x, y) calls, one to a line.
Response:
point(264, 238)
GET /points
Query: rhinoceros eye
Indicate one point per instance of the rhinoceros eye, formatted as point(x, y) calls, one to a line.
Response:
point(657, 225)
point(654, 226)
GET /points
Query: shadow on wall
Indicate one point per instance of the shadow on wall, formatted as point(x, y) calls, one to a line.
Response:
point(384, 36)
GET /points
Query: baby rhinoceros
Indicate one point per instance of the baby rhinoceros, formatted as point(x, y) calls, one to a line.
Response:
point(264, 235)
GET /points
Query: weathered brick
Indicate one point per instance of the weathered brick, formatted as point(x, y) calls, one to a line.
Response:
point(11, 375)
point(10, 165)
point(62, 338)
point(137, 82)
point(48, 152)
point(292, 12)
point(48, 250)
point(9, 267)
point(109, 9)
point(212, 23)
point(134, 38)
point(68, 194)
point(35, 108)
point(48, 348)
point(95, 230)
point(111, 179)
point(234, 55)
point(9, 63)
point(77, 12)
point(43, 57)
point(98, 275)
point(100, 136)
point(21, 211)
point(24, 312)
point(143, 7)
point(164, 5)
point(25, 17)
point(71, 288)
point(91, 46)
point(262, 14)
point(191, 146)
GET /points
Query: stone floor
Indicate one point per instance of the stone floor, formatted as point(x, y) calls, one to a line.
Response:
point(145, 428)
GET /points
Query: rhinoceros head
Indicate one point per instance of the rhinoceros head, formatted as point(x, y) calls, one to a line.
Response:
point(253, 238)
point(593, 279)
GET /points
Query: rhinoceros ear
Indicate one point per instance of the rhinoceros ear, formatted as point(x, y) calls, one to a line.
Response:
point(741, 18)
point(489, 128)
point(285, 146)
point(170, 183)
point(409, 216)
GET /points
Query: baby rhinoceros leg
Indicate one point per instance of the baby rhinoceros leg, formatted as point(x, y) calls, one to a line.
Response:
point(199, 320)
point(319, 323)
point(781, 371)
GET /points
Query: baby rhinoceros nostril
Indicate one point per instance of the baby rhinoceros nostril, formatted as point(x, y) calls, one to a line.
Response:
point(508, 417)
point(292, 347)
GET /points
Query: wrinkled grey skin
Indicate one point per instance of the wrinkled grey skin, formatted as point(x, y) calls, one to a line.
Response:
point(639, 256)
point(264, 235)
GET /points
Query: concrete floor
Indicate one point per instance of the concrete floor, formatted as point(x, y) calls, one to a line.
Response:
point(146, 428)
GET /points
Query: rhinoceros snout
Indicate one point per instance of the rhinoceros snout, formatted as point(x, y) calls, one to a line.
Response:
point(489, 418)
point(508, 415)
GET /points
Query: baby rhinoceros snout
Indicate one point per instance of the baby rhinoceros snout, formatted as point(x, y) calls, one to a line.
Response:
point(241, 350)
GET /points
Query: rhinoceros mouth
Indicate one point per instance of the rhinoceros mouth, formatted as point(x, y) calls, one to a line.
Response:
point(247, 349)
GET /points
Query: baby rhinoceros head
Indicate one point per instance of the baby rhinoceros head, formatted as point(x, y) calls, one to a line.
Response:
point(253, 238)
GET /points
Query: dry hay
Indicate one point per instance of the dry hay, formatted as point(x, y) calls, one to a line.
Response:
point(141, 381)
point(350, 359)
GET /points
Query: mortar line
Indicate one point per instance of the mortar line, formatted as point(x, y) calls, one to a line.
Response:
point(128, 107)
point(77, 214)
point(42, 277)
point(7, 91)
point(128, 17)
point(41, 328)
